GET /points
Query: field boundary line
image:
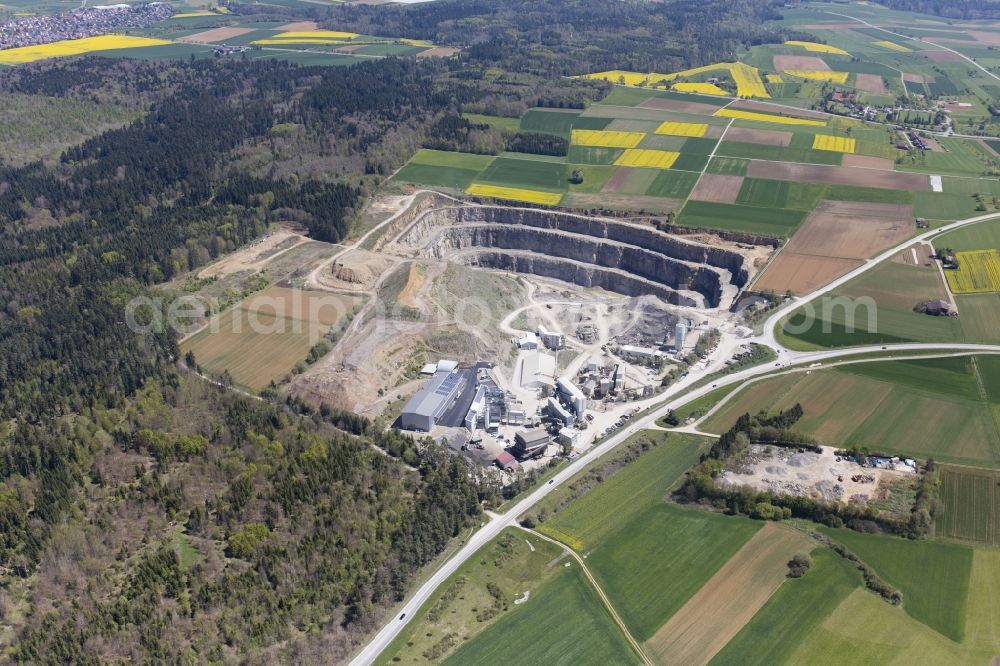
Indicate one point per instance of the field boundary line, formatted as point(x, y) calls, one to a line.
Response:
point(600, 592)
point(711, 157)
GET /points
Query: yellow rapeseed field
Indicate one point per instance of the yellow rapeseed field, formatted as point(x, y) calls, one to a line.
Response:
point(775, 78)
point(72, 47)
point(978, 272)
point(682, 129)
point(513, 194)
point(837, 144)
point(892, 46)
point(747, 78)
point(703, 88)
point(819, 75)
point(607, 138)
point(767, 118)
point(817, 48)
point(651, 159)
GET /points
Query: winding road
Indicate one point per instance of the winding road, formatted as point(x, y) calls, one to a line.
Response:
point(674, 397)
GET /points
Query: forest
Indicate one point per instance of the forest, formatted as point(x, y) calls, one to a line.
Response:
point(568, 37)
point(954, 9)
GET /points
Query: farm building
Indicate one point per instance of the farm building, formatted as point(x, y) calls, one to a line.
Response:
point(530, 443)
point(424, 409)
point(936, 307)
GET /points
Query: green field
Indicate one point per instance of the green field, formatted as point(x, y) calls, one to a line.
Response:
point(442, 168)
point(503, 122)
point(933, 576)
point(733, 217)
point(526, 173)
point(968, 507)
point(659, 557)
point(796, 610)
point(891, 406)
point(671, 184)
point(587, 521)
point(728, 166)
point(563, 623)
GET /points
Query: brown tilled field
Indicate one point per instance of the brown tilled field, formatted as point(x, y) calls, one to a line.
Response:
point(624, 201)
point(300, 26)
point(438, 52)
point(872, 83)
point(783, 62)
point(679, 106)
point(350, 48)
point(215, 35)
point(267, 334)
point(867, 162)
point(917, 78)
point(836, 175)
point(768, 107)
point(835, 238)
point(763, 137)
point(730, 598)
point(716, 187)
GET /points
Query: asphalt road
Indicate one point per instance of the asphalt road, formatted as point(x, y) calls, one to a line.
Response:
point(675, 396)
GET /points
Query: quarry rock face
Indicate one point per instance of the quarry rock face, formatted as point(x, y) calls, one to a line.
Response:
point(590, 252)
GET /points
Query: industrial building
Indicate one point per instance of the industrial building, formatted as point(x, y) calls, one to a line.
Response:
point(530, 443)
point(640, 353)
point(680, 333)
point(477, 409)
point(528, 341)
point(551, 339)
point(571, 396)
point(560, 413)
point(538, 369)
point(423, 410)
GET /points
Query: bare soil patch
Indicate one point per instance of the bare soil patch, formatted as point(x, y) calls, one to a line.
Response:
point(300, 26)
point(872, 83)
point(987, 38)
point(783, 62)
point(941, 56)
point(438, 52)
point(215, 35)
point(679, 106)
point(255, 256)
point(357, 270)
point(624, 201)
point(763, 137)
point(768, 107)
point(802, 273)
point(838, 175)
point(618, 180)
point(917, 78)
point(932, 144)
point(716, 187)
point(867, 162)
point(833, 240)
point(350, 48)
point(730, 598)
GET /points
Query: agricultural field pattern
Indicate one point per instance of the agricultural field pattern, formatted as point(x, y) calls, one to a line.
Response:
point(493, 350)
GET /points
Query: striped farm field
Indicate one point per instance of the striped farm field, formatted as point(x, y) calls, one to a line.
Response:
point(969, 506)
point(606, 138)
point(767, 118)
point(819, 75)
point(978, 272)
point(815, 47)
point(748, 83)
point(672, 128)
point(651, 159)
point(703, 88)
point(513, 194)
point(892, 46)
point(775, 78)
point(837, 144)
point(73, 47)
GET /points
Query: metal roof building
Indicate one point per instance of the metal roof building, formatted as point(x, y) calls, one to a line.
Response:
point(424, 409)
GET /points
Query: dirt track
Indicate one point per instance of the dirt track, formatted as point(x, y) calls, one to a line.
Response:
point(835, 175)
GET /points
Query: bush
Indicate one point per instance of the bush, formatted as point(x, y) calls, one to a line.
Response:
point(798, 566)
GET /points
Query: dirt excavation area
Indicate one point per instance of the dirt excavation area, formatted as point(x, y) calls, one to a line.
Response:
point(256, 255)
point(821, 476)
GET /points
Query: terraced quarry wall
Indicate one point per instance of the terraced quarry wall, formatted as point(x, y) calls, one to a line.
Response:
point(591, 252)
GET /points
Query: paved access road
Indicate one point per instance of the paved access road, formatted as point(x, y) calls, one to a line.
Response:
point(675, 396)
